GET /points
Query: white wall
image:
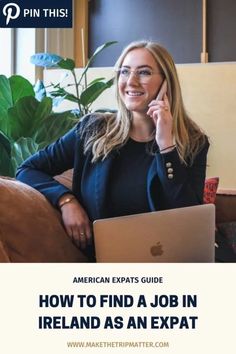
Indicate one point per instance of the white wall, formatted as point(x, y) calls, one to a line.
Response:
point(209, 92)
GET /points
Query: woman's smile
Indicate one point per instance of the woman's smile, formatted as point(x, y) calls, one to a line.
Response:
point(134, 93)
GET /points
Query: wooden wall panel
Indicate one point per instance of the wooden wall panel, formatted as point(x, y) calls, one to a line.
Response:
point(81, 30)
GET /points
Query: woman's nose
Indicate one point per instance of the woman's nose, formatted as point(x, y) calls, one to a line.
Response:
point(132, 78)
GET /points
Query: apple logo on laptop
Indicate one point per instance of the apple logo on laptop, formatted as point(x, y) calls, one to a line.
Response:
point(156, 250)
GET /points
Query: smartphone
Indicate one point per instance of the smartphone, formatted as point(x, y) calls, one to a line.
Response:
point(162, 91)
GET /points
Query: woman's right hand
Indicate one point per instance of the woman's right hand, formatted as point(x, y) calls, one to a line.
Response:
point(77, 223)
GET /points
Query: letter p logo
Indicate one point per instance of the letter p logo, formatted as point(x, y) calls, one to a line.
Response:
point(11, 11)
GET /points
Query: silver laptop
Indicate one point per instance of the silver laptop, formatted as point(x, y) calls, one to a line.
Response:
point(176, 235)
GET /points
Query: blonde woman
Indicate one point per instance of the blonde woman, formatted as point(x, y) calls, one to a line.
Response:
point(149, 156)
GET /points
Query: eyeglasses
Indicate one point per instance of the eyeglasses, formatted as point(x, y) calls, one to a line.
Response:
point(143, 75)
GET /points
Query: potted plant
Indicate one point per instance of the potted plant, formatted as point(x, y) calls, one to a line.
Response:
point(27, 120)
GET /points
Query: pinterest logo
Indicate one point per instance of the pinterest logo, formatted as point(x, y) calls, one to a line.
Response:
point(11, 11)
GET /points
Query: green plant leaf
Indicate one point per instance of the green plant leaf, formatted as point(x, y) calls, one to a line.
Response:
point(62, 92)
point(21, 118)
point(6, 168)
point(96, 80)
point(56, 125)
point(5, 93)
point(5, 142)
point(42, 112)
point(5, 156)
point(46, 60)
point(5, 102)
point(3, 120)
point(11, 90)
point(27, 115)
point(20, 87)
point(67, 64)
point(72, 98)
point(92, 92)
point(97, 51)
point(21, 150)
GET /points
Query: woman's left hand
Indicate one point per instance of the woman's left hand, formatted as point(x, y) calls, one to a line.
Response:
point(159, 111)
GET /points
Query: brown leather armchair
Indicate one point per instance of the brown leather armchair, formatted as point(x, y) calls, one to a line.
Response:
point(30, 228)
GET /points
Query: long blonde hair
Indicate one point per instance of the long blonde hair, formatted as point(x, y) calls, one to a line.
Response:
point(109, 131)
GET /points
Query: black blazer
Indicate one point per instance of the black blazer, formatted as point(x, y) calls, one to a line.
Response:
point(170, 184)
